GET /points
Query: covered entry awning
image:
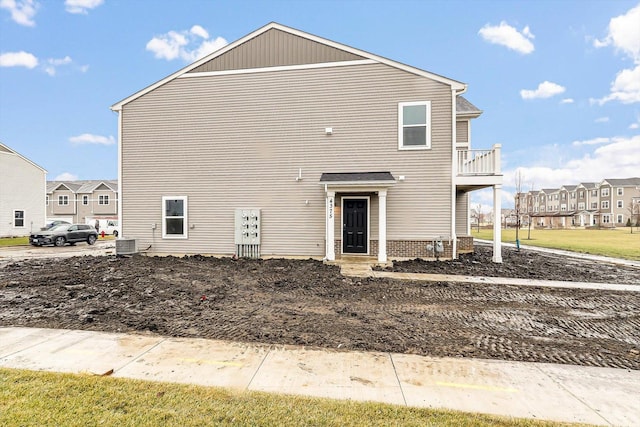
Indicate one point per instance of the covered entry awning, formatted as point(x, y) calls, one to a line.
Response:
point(353, 182)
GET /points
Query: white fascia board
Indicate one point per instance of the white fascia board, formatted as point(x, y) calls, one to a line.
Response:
point(279, 68)
point(14, 152)
point(453, 83)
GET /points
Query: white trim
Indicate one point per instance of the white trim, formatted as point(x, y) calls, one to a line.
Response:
point(330, 218)
point(382, 226)
point(119, 192)
point(278, 68)
point(401, 126)
point(368, 199)
point(454, 174)
point(24, 219)
point(456, 85)
point(61, 196)
point(185, 224)
point(10, 151)
point(84, 196)
point(102, 197)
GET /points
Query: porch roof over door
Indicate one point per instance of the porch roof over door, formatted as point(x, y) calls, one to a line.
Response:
point(357, 180)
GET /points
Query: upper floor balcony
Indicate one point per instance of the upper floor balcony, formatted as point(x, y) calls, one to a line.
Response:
point(477, 169)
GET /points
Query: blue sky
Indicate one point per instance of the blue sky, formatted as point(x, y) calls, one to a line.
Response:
point(558, 81)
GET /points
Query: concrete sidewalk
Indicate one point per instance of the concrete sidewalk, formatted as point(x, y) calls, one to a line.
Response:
point(602, 396)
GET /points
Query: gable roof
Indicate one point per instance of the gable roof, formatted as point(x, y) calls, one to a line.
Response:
point(466, 109)
point(461, 87)
point(625, 182)
point(5, 149)
point(81, 186)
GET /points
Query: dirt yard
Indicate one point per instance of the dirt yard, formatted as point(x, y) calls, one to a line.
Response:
point(309, 303)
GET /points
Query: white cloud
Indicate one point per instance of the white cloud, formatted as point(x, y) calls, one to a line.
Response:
point(602, 120)
point(624, 36)
point(53, 64)
point(593, 141)
point(22, 11)
point(625, 88)
point(18, 59)
point(634, 126)
point(186, 45)
point(545, 90)
point(87, 138)
point(66, 176)
point(508, 36)
point(81, 6)
point(567, 101)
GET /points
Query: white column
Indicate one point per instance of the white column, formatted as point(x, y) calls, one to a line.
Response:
point(330, 251)
point(382, 226)
point(497, 230)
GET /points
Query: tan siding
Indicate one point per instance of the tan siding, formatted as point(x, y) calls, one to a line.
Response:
point(238, 141)
point(275, 48)
point(462, 213)
point(462, 131)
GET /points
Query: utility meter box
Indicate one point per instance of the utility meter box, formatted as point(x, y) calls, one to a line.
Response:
point(247, 231)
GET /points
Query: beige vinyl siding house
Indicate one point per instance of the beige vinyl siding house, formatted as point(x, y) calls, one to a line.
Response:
point(22, 194)
point(82, 201)
point(300, 128)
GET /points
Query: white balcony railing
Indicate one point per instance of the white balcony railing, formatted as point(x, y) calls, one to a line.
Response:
point(479, 162)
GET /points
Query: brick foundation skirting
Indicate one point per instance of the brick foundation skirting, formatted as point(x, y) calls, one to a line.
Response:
point(415, 248)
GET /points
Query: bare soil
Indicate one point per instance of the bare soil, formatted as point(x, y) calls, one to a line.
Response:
point(308, 303)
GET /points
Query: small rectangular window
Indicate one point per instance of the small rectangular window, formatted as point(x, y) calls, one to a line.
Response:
point(103, 200)
point(620, 191)
point(620, 219)
point(594, 192)
point(604, 192)
point(604, 204)
point(174, 217)
point(47, 200)
point(18, 218)
point(85, 200)
point(414, 125)
point(63, 200)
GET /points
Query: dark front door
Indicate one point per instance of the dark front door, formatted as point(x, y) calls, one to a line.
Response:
point(354, 226)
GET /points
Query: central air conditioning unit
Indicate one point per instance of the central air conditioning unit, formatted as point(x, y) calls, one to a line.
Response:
point(247, 233)
point(126, 247)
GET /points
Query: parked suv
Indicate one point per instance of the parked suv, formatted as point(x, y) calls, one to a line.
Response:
point(62, 234)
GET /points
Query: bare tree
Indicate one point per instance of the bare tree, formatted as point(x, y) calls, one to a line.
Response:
point(479, 210)
point(634, 213)
point(519, 178)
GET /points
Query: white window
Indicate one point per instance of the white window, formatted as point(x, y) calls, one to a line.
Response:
point(594, 192)
point(174, 217)
point(604, 192)
point(85, 200)
point(541, 208)
point(581, 195)
point(103, 200)
point(18, 218)
point(619, 203)
point(619, 219)
point(606, 219)
point(581, 206)
point(414, 125)
point(563, 208)
point(619, 191)
point(604, 204)
point(594, 205)
point(47, 200)
point(63, 200)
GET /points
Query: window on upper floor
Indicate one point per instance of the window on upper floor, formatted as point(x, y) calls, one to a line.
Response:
point(604, 192)
point(63, 200)
point(564, 196)
point(414, 125)
point(619, 191)
point(619, 203)
point(581, 195)
point(594, 205)
point(604, 204)
point(573, 195)
point(85, 200)
point(18, 218)
point(103, 200)
point(174, 217)
point(594, 192)
point(581, 206)
point(47, 200)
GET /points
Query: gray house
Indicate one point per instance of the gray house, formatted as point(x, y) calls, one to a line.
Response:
point(22, 194)
point(283, 143)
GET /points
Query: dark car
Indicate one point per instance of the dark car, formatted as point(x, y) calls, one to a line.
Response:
point(53, 224)
point(62, 234)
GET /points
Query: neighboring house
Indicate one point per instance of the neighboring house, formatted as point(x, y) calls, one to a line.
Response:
point(22, 194)
point(82, 201)
point(609, 203)
point(283, 143)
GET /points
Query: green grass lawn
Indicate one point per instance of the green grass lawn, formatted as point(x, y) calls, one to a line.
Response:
point(618, 242)
point(48, 399)
point(14, 241)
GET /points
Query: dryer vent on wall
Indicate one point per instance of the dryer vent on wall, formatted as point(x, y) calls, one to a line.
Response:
point(247, 233)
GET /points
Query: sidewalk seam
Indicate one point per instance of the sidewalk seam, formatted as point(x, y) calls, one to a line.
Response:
point(395, 372)
point(559, 384)
point(36, 344)
point(140, 355)
point(258, 368)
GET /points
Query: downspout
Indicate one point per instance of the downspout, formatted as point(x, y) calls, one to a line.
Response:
point(454, 166)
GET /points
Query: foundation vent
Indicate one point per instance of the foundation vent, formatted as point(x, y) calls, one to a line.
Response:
point(247, 233)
